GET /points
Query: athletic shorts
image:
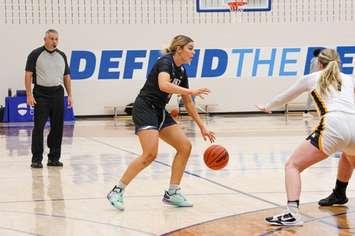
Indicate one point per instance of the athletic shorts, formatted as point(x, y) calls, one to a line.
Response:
point(147, 116)
point(335, 132)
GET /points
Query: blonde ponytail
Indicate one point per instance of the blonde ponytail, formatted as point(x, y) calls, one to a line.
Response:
point(330, 76)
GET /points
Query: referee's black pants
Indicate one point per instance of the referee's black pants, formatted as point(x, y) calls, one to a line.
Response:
point(49, 104)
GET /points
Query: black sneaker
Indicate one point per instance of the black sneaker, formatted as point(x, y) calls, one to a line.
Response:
point(36, 165)
point(333, 199)
point(285, 219)
point(54, 163)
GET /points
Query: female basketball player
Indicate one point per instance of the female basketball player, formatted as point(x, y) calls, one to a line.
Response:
point(168, 76)
point(333, 93)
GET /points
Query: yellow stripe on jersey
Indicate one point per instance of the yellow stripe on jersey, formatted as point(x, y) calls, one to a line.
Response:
point(319, 132)
point(321, 107)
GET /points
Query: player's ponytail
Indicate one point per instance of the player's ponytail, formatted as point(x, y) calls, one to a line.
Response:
point(330, 76)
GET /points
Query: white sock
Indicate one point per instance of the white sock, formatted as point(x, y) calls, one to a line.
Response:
point(121, 185)
point(173, 188)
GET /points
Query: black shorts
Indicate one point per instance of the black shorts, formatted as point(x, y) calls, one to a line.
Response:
point(147, 116)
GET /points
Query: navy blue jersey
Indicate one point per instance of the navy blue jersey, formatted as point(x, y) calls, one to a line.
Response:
point(151, 92)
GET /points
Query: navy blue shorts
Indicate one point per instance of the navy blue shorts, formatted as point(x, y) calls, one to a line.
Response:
point(147, 116)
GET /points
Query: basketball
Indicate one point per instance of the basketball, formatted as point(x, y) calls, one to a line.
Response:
point(216, 157)
point(174, 112)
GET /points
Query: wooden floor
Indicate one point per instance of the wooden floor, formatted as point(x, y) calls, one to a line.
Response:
point(318, 221)
point(233, 201)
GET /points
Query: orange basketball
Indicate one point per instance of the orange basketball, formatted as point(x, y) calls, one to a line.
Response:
point(174, 112)
point(216, 157)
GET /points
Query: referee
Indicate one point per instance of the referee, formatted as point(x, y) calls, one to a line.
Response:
point(47, 68)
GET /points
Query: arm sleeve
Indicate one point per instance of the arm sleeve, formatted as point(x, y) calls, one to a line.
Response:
point(31, 63)
point(294, 91)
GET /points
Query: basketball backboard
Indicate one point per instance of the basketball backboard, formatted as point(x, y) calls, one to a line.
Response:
point(222, 5)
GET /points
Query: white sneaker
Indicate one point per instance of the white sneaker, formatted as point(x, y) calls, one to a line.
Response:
point(176, 199)
point(115, 197)
point(285, 219)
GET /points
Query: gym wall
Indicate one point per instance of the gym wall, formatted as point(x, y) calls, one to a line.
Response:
point(244, 58)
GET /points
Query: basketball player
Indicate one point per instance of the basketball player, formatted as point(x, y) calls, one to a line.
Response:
point(168, 76)
point(333, 93)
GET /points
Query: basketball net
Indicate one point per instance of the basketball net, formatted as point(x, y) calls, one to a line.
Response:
point(235, 4)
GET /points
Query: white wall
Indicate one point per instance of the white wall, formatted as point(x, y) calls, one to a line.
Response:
point(229, 92)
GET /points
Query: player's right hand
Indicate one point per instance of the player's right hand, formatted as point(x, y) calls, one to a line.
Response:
point(208, 134)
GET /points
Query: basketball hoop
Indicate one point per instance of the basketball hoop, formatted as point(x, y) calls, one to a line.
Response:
point(234, 5)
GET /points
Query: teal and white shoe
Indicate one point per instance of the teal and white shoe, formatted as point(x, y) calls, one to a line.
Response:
point(176, 199)
point(115, 197)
